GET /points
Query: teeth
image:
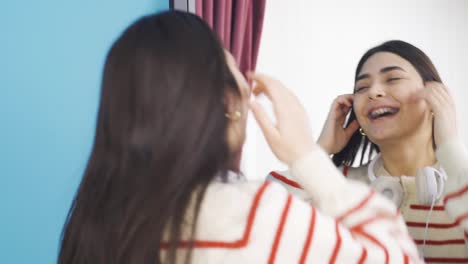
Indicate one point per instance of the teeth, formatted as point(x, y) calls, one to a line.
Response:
point(378, 112)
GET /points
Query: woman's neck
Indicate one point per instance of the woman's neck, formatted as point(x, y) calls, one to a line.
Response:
point(405, 157)
point(234, 163)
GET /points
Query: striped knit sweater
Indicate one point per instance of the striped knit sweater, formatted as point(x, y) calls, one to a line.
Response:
point(447, 235)
point(255, 222)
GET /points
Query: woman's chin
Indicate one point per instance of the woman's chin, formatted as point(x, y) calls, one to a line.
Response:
point(381, 137)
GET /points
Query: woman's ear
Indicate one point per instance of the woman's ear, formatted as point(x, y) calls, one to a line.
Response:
point(236, 102)
point(236, 113)
point(232, 102)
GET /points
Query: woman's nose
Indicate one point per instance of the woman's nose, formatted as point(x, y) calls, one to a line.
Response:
point(376, 91)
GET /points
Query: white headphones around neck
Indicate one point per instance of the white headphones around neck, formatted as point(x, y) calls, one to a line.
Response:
point(429, 184)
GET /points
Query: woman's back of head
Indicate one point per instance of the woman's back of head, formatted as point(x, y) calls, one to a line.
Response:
point(160, 135)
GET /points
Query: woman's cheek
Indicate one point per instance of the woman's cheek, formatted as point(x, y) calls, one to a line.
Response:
point(358, 104)
point(408, 93)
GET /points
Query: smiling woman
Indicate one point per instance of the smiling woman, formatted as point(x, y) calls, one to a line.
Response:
point(407, 147)
point(394, 84)
point(388, 95)
point(389, 81)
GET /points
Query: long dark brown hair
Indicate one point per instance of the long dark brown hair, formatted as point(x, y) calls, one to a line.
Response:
point(160, 140)
point(360, 144)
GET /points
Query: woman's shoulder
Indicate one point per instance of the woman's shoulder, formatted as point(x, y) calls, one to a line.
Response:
point(228, 208)
point(285, 179)
point(235, 215)
point(240, 195)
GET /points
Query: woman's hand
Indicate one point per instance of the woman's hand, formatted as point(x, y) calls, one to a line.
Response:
point(291, 138)
point(334, 136)
point(443, 109)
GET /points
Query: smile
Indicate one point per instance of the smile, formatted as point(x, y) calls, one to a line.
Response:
point(377, 113)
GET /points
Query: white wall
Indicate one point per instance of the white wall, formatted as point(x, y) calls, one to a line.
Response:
point(314, 46)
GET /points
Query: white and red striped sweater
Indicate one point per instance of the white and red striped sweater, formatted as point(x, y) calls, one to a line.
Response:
point(448, 226)
point(254, 222)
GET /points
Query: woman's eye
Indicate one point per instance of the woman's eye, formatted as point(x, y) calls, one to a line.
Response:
point(393, 79)
point(360, 89)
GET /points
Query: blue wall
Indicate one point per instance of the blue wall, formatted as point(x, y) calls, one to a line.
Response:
point(52, 54)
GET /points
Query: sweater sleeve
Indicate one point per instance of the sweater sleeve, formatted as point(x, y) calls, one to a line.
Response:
point(453, 156)
point(290, 230)
point(345, 223)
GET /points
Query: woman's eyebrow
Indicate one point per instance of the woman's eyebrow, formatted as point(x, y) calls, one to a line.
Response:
point(363, 76)
point(391, 68)
point(383, 70)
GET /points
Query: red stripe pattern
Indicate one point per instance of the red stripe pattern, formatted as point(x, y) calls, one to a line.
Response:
point(336, 250)
point(441, 242)
point(405, 259)
point(279, 231)
point(446, 260)
point(461, 218)
point(285, 180)
point(345, 170)
point(357, 207)
point(455, 194)
point(427, 208)
point(224, 244)
point(310, 234)
point(431, 225)
point(363, 256)
point(361, 225)
point(358, 230)
point(376, 242)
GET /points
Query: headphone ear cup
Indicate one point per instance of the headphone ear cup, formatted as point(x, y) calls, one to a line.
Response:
point(389, 187)
point(427, 185)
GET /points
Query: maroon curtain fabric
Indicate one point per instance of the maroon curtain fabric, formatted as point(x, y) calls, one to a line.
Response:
point(238, 24)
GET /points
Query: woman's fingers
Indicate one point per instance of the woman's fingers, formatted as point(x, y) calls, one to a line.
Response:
point(266, 124)
point(265, 85)
point(431, 95)
point(290, 137)
point(443, 109)
point(279, 96)
point(341, 106)
point(444, 94)
point(349, 131)
point(438, 97)
point(345, 99)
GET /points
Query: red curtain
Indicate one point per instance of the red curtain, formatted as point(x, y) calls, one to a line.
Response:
point(238, 24)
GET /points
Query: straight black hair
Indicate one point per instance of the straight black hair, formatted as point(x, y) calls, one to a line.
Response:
point(160, 140)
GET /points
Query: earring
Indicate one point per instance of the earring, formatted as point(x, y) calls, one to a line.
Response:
point(362, 131)
point(234, 116)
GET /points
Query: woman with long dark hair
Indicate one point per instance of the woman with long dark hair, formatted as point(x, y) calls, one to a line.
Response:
point(401, 138)
point(162, 184)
